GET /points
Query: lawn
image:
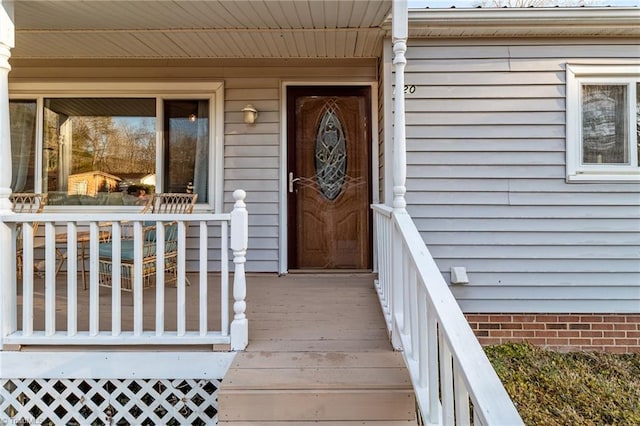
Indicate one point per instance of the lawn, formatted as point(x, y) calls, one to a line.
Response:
point(573, 388)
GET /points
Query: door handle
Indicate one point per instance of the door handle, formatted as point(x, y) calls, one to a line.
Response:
point(292, 180)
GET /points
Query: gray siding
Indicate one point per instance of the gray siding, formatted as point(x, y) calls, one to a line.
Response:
point(251, 152)
point(486, 179)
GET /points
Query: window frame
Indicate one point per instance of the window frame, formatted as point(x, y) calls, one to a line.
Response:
point(213, 91)
point(605, 74)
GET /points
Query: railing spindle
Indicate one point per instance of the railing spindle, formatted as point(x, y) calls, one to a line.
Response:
point(181, 291)
point(72, 279)
point(224, 278)
point(116, 277)
point(406, 296)
point(27, 279)
point(432, 359)
point(50, 279)
point(423, 344)
point(461, 398)
point(202, 278)
point(396, 290)
point(446, 375)
point(413, 308)
point(160, 281)
point(94, 289)
point(388, 231)
point(138, 243)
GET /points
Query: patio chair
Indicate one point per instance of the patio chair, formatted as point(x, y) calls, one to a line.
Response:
point(23, 202)
point(160, 203)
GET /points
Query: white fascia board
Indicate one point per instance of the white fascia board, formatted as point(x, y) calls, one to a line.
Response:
point(568, 18)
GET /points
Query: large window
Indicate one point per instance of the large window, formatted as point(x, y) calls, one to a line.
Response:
point(113, 149)
point(603, 123)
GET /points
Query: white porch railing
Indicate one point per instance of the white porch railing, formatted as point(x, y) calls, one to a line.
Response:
point(97, 333)
point(452, 377)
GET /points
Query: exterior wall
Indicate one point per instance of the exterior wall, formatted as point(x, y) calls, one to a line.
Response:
point(596, 332)
point(251, 152)
point(486, 178)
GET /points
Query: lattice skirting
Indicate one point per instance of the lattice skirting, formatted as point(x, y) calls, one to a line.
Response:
point(109, 401)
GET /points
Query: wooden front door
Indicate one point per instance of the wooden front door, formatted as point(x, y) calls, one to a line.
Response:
point(329, 168)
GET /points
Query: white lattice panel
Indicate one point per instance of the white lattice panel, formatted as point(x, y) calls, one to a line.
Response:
point(109, 401)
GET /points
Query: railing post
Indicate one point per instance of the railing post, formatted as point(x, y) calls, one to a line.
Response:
point(399, 38)
point(400, 33)
point(239, 242)
point(8, 314)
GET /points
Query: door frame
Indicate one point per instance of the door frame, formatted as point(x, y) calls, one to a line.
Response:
point(284, 125)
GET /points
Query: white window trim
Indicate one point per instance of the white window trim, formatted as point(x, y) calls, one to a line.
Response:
point(605, 74)
point(211, 90)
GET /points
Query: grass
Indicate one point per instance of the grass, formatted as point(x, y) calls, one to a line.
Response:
point(573, 388)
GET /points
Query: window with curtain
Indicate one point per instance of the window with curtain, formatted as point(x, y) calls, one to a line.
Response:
point(603, 123)
point(186, 131)
point(22, 115)
point(110, 150)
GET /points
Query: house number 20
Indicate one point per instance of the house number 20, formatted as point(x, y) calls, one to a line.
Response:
point(409, 88)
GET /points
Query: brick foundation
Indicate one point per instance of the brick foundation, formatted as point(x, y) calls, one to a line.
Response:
point(617, 333)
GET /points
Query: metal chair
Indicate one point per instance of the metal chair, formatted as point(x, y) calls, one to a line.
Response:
point(25, 202)
point(176, 203)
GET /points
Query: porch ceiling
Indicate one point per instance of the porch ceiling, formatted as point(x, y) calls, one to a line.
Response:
point(199, 28)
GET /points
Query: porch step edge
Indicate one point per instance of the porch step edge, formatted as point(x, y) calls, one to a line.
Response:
point(312, 405)
point(378, 378)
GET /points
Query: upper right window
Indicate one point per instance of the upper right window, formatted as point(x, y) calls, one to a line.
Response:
point(603, 123)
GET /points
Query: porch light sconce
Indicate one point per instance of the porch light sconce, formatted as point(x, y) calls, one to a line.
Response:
point(250, 114)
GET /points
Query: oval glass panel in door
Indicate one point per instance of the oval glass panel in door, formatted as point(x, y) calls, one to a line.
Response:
point(330, 154)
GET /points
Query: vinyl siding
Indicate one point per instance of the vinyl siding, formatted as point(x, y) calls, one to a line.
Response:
point(251, 152)
point(486, 178)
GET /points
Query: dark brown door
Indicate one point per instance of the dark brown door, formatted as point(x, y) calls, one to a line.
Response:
point(329, 143)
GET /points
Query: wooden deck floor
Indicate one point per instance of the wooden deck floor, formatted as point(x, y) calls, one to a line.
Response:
point(318, 349)
point(297, 312)
point(302, 312)
point(318, 353)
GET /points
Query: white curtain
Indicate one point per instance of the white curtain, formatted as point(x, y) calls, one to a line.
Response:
point(200, 173)
point(23, 131)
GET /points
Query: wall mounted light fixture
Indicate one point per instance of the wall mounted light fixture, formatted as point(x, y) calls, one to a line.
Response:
point(250, 114)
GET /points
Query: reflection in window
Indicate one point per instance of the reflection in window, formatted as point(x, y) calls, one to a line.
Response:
point(604, 124)
point(22, 114)
point(96, 149)
point(186, 146)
